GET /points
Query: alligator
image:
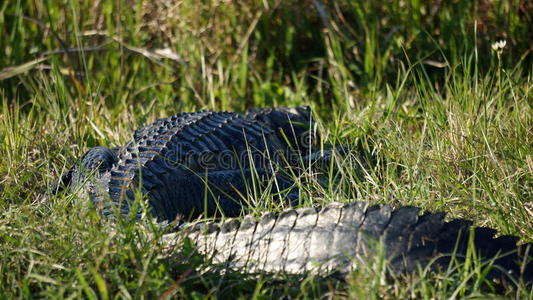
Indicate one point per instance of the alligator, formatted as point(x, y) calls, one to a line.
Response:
point(199, 163)
point(205, 163)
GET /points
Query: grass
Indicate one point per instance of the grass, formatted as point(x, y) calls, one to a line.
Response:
point(415, 82)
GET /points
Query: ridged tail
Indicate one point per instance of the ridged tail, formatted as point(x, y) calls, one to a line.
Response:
point(340, 237)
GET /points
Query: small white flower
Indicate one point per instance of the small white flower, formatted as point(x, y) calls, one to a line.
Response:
point(499, 45)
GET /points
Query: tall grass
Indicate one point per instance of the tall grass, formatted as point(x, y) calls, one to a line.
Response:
point(415, 83)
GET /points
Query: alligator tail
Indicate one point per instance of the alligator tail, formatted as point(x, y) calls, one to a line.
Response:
point(341, 237)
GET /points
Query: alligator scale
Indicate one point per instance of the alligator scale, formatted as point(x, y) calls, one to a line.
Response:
point(210, 162)
point(195, 163)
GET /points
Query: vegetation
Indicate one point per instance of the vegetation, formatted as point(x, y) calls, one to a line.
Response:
point(415, 82)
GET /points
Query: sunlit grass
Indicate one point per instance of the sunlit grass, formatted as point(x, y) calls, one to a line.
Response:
point(412, 84)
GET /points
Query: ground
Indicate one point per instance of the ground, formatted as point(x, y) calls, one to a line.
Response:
point(423, 85)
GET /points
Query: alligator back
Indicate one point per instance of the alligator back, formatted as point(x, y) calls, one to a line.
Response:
point(193, 163)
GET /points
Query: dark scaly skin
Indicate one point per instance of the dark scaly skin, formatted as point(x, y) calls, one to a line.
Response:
point(172, 159)
point(289, 124)
point(342, 237)
point(339, 237)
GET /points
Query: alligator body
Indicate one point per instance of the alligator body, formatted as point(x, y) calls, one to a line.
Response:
point(342, 237)
point(195, 163)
